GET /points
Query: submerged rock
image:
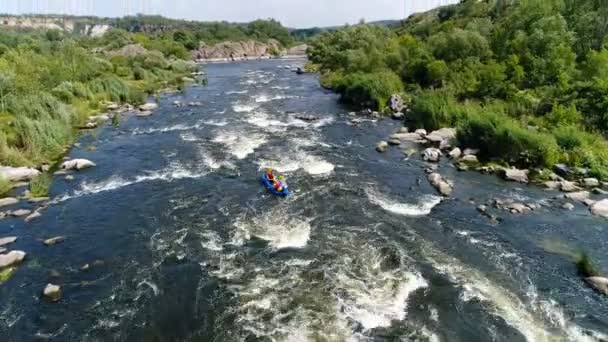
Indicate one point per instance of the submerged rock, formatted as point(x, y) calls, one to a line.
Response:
point(11, 258)
point(52, 292)
point(431, 155)
point(6, 274)
point(515, 175)
point(18, 174)
point(21, 212)
point(54, 241)
point(308, 118)
point(600, 284)
point(33, 216)
point(441, 184)
point(77, 164)
point(600, 208)
point(382, 146)
point(4, 202)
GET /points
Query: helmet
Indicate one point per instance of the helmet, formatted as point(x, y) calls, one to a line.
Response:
point(281, 177)
point(269, 170)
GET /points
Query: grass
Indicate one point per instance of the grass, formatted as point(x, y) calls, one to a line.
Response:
point(5, 187)
point(585, 266)
point(39, 186)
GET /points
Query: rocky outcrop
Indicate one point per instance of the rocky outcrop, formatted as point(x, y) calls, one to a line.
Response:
point(441, 184)
point(11, 258)
point(77, 164)
point(600, 208)
point(249, 49)
point(18, 174)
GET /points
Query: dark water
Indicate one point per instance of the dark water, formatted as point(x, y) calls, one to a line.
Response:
point(193, 249)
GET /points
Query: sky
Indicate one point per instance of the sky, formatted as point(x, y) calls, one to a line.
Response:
point(292, 13)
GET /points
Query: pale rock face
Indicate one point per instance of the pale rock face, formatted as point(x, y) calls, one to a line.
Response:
point(18, 174)
point(600, 284)
point(77, 164)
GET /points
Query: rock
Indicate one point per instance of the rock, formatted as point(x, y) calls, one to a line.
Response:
point(455, 153)
point(188, 80)
point(414, 137)
point(394, 142)
point(396, 103)
point(21, 212)
point(517, 208)
point(397, 116)
point(552, 185)
point(7, 240)
point(54, 241)
point(18, 174)
point(470, 152)
point(581, 171)
point(431, 155)
point(588, 202)
point(562, 170)
point(85, 267)
point(45, 167)
point(600, 208)
point(90, 125)
point(515, 175)
point(437, 181)
point(482, 208)
point(4, 202)
point(600, 191)
point(591, 182)
point(38, 199)
point(11, 258)
point(421, 132)
point(100, 118)
point(308, 118)
point(112, 106)
point(77, 164)
point(382, 146)
point(150, 106)
point(600, 284)
point(568, 206)
point(69, 178)
point(604, 185)
point(444, 136)
point(52, 292)
point(554, 177)
point(403, 130)
point(579, 196)
point(567, 186)
point(177, 103)
point(144, 113)
point(33, 216)
point(469, 159)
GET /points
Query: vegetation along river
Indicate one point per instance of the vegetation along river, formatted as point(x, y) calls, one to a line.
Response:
point(184, 244)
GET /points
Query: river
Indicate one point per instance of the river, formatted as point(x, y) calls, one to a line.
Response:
point(184, 244)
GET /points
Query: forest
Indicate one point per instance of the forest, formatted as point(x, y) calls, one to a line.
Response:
point(525, 82)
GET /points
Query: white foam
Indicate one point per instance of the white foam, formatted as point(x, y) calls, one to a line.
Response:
point(211, 241)
point(237, 92)
point(243, 108)
point(214, 164)
point(316, 166)
point(279, 230)
point(178, 127)
point(422, 208)
point(262, 98)
point(240, 145)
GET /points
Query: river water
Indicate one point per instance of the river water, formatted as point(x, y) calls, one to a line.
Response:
point(184, 244)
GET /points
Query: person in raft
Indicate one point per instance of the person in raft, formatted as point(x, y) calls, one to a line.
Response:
point(278, 186)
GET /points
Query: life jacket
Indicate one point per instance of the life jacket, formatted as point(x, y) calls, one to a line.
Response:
point(270, 176)
point(278, 186)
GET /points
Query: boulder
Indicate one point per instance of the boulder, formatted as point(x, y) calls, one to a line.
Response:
point(150, 106)
point(443, 186)
point(562, 170)
point(33, 216)
point(77, 164)
point(21, 212)
point(144, 113)
point(382, 146)
point(18, 174)
point(455, 153)
point(421, 132)
point(11, 258)
point(515, 175)
point(394, 142)
point(308, 118)
point(7, 240)
point(54, 241)
point(397, 116)
point(579, 196)
point(600, 284)
point(591, 182)
point(396, 103)
point(517, 208)
point(414, 137)
point(444, 136)
point(52, 292)
point(469, 159)
point(470, 151)
point(600, 191)
point(600, 208)
point(567, 186)
point(552, 185)
point(568, 206)
point(482, 208)
point(403, 130)
point(4, 202)
point(431, 155)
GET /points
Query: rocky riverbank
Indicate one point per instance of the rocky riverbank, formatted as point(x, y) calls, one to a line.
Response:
point(245, 50)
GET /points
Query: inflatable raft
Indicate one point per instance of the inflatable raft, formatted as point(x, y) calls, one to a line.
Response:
point(268, 184)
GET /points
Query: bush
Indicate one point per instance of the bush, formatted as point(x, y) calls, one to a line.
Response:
point(585, 266)
point(372, 90)
point(39, 186)
point(5, 187)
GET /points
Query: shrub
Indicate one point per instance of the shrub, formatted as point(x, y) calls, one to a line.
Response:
point(39, 186)
point(371, 90)
point(5, 187)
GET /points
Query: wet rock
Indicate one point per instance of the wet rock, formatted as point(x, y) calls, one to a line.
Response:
point(600, 284)
point(52, 292)
point(600, 191)
point(562, 170)
point(515, 175)
point(396, 103)
point(18, 174)
point(444, 136)
point(469, 159)
point(533, 206)
point(33, 216)
point(552, 185)
point(7, 240)
point(413, 137)
point(150, 106)
point(568, 206)
point(54, 241)
point(382, 146)
point(441, 184)
point(21, 212)
point(567, 186)
point(589, 202)
point(90, 125)
point(591, 182)
point(579, 196)
point(6, 274)
point(455, 153)
point(462, 167)
point(112, 106)
point(421, 132)
point(77, 164)
point(144, 113)
point(394, 142)
point(397, 116)
point(5, 202)
point(11, 258)
point(554, 177)
point(482, 208)
point(431, 155)
point(600, 208)
point(308, 118)
point(69, 178)
point(38, 199)
point(403, 130)
point(517, 208)
point(100, 118)
point(486, 169)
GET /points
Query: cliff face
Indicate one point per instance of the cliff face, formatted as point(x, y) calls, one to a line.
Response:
point(54, 23)
point(249, 49)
